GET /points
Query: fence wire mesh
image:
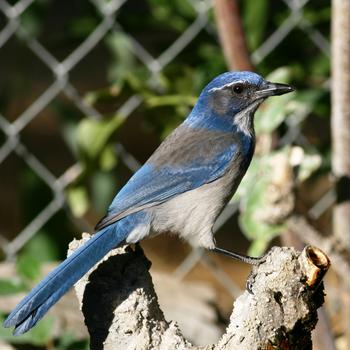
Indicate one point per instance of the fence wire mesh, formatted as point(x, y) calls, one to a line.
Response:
point(109, 11)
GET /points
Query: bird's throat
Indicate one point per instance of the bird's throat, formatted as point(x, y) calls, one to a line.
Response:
point(244, 120)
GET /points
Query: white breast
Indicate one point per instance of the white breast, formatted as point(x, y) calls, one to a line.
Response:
point(192, 214)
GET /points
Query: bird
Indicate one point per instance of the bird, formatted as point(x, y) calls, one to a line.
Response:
point(182, 188)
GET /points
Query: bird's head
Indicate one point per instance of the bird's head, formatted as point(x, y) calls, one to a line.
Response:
point(231, 99)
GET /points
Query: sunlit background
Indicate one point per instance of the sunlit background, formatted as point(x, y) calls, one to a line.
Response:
point(88, 91)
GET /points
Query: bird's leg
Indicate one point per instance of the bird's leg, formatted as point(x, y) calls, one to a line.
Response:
point(244, 258)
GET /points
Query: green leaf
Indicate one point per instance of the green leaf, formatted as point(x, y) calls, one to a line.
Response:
point(121, 49)
point(255, 16)
point(28, 266)
point(105, 94)
point(304, 102)
point(258, 247)
point(69, 131)
point(249, 179)
point(93, 135)
point(68, 340)
point(170, 100)
point(307, 163)
point(103, 189)
point(251, 225)
point(253, 200)
point(185, 9)
point(11, 286)
point(280, 75)
point(172, 14)
point(137, 82)
point(40, 335)
point(270, 116)
point(308, 166)
point(43, 247)
point(31, 23)
point(78, 200)
point(275, 110)
point(82, 26)
point(108, 160)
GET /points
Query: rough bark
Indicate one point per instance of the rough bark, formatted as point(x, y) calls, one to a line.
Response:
point(322, 336)
point(278, 312)
point(197, 314)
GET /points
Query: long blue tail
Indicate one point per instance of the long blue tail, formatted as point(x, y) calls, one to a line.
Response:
point(35, 305)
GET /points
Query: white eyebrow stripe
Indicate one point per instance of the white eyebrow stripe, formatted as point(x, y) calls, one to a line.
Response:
point(226, 85)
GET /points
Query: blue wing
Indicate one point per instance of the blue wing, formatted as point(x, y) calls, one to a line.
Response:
point(187, 159)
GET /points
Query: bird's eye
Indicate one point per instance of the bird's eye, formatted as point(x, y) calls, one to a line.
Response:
point(238, 88)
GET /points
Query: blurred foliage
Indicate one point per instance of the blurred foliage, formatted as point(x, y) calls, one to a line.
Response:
point(255, 16)
point(168, 97)
point(39, 335)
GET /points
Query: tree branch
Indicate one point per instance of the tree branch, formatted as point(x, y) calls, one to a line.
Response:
point(340, 121)
point(121, 309)
point(231, 35)
point(340, 125)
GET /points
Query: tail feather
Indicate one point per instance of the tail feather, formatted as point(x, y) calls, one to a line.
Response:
point(34, 316)
point(34, 306)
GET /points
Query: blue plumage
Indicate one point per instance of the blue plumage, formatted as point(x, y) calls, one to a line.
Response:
point(178, 170)
point(35, 305)
point(183, 187)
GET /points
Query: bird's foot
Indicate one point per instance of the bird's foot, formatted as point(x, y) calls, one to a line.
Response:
point(244, 258)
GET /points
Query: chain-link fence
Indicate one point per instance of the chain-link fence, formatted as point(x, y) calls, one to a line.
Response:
point(107, 22)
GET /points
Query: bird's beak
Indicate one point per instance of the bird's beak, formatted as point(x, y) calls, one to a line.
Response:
point(273, 89)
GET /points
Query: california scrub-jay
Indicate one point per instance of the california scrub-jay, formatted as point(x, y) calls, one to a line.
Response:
point(182, 188)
